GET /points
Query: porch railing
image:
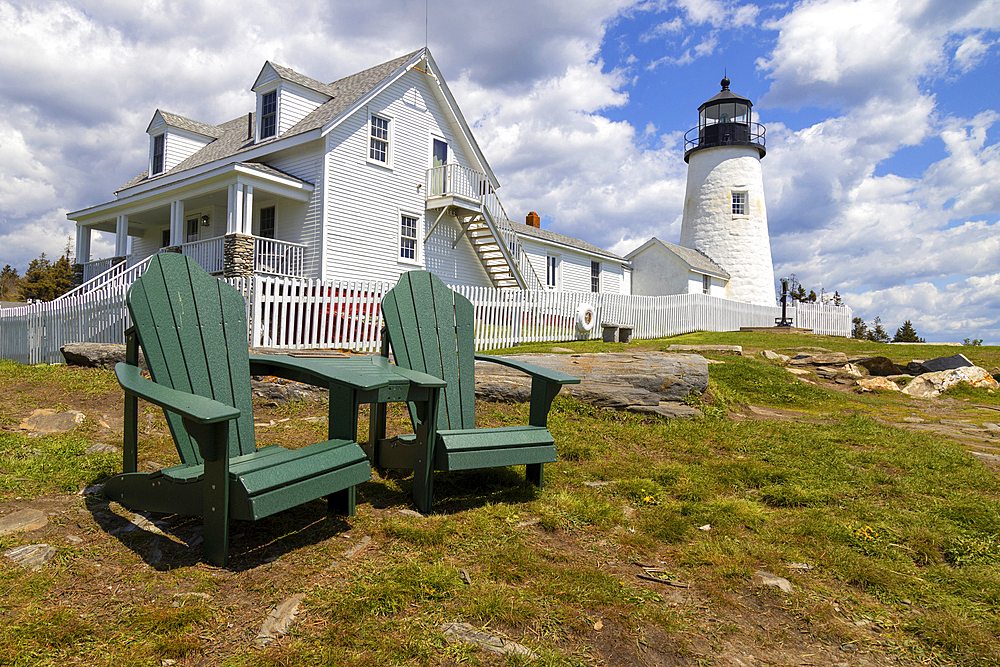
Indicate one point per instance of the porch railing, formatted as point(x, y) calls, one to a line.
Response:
point(280, 258)
point(208, 253)
point(458, 181)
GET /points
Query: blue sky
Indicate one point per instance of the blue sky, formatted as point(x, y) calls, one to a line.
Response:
point(882, 175)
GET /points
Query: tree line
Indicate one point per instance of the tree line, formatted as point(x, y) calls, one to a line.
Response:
point(43, 280)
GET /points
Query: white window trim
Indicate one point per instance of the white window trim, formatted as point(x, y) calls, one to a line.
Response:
point(152, 144)
point(746, 203)
point(558, 271)
point(390, 149)
point(276, 89)
point(418, 249)
point(258, 206)
point(599, 276)
point(706, 284)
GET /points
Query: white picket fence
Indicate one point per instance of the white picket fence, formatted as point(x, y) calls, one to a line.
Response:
point(299, 313)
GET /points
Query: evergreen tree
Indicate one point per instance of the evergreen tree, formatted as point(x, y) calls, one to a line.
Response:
point(10, 284)
point(877, 333)
point(45, 280)
point(907, 334)
point(860, 329)
point(812, 297)
point(837, 301)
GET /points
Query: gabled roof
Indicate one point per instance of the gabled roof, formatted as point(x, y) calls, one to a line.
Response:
point(695, 260)
point(562, 239)
point(233, 138)
point(180, 122)
point(288, 74)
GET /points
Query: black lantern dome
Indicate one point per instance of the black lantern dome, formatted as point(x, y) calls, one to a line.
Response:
point(724, 120)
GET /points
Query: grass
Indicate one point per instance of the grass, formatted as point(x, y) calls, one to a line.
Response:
point(901, 531)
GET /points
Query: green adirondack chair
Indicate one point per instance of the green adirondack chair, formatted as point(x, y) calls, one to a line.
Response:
point(430, 329)
point(192, 330)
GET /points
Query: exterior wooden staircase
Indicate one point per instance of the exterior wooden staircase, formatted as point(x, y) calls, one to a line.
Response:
point(466, 195)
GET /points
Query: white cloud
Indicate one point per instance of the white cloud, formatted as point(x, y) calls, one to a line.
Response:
point(971, 52)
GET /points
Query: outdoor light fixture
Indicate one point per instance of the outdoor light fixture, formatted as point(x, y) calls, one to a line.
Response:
point(205, 220)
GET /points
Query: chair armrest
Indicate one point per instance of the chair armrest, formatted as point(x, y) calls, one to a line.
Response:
point(195, 408)
point(533, 370)
point(416, 378)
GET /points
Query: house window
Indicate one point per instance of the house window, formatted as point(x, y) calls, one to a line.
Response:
point(595, 276)
point(269, 114)
point(192, 230)
point(739, 203)
point(379, 135)
point(408, 238)
point(706, 284)
point(165, 239)
point(551, 270)
point(267, 222)
point(157, 155)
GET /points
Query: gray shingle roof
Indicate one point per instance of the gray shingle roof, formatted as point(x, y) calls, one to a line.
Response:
point(268, 169)
point(232, 135)
point(204, 129)
point(546, 235)
point(289, 74)
point(695, 259)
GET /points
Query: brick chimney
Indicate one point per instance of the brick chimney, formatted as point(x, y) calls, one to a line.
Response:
point(533, 220)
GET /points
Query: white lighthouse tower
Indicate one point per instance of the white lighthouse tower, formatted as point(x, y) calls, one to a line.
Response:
point(724, 213)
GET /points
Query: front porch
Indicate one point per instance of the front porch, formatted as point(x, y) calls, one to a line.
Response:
point(235, 221)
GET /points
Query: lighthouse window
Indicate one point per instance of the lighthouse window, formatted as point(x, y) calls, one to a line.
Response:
point(739, 203)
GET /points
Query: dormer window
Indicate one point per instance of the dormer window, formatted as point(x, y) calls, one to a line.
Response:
point(268, 114)
point(156, 166)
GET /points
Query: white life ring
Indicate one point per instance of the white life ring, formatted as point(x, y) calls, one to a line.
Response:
point(585, 318)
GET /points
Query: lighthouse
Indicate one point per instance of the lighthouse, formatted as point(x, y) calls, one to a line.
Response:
point(724, 213)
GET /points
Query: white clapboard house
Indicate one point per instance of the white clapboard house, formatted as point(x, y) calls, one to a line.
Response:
point(363, 178)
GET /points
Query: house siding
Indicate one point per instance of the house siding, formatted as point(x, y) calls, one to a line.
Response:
point(298, 222)
point(574, 267)
point(364, 200)
point(178, 147)
point(294, 104)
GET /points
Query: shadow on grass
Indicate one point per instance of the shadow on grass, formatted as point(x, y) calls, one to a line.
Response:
point(170, 541)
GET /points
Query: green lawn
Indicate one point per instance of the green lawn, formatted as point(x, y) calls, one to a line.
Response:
point(900, 532)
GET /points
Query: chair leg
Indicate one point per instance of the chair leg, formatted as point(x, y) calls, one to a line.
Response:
point(216, 512)
point(533, 472)
point(342, 502)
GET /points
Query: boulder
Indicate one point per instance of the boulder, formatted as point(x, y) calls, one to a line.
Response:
point(821, 359)
point(882, 366)
point(946, 363)
point(877, 383)
point(640, 382)
point(93, 355)
point(771, 355)
point(930, 385)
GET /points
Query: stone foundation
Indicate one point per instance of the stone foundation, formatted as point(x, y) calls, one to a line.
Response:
point(77, 275)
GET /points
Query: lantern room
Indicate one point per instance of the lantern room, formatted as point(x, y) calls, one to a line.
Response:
point(724, 120)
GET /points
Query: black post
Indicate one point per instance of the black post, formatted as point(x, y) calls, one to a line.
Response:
point(785, 322)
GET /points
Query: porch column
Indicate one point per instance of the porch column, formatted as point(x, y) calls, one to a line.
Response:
point(176, 223)
point(82, 252)
point(234, 209)
point(82, 244)
point(121, 236)
point(248, 211)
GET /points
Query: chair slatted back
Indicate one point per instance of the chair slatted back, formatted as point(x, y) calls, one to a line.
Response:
point(193, 332)
point(431, 330)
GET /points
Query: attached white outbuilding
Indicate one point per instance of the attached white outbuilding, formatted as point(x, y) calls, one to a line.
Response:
point(660, 268)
